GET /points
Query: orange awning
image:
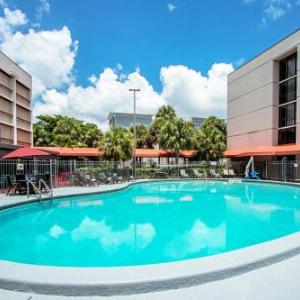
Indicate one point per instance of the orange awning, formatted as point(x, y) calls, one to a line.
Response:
point(27, 152)
point(73, 152)
point(264, 151)
point(94, 152)
point(153, 153)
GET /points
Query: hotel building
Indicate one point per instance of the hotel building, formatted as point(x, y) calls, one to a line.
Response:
point(126, 120)
point(15, 106)
point(263, 114)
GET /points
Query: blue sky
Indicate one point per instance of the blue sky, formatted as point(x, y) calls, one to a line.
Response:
point(141, 35)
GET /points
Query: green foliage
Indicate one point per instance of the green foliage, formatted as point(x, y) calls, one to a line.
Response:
point(117, 144)
point(62, 131)
point(176, 135)
point(164, 114)
point(210, 141)
point(141, 135)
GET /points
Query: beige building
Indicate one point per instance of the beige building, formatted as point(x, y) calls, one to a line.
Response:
point(263, 95)
point(15, 105)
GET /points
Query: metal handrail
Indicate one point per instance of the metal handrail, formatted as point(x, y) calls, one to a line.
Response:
point(47, 187)
point(35, 188)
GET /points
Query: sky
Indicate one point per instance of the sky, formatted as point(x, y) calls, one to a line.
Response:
point(85, 55)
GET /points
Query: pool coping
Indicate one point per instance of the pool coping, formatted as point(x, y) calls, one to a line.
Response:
point(109, 281)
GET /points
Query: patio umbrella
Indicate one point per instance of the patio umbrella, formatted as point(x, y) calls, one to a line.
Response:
point(25, 152)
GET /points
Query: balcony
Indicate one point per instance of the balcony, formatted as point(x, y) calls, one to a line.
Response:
point(5, 92)
point(24, 102)
point(24, 124)
point(6, 118)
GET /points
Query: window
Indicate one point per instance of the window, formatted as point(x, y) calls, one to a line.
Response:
point(287, 91)
point(288, 67)
point(287, 136)
point(287, 115)
point(287, 100)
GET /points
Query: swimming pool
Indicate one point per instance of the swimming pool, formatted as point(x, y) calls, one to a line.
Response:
point(149, 223)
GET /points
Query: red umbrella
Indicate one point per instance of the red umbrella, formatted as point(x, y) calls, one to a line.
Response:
point(25, 152)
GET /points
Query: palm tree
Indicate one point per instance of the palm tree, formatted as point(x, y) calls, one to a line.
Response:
point(211, 139)
point(176, 135)
point(164, 114)
point(117, 144)
point(141, 135)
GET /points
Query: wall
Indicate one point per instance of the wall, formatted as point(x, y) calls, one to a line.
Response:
point(253, 98)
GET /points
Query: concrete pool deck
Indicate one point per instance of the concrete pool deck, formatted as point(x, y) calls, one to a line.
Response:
point(273, 279)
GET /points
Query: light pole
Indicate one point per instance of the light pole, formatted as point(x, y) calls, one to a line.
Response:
point(134, 128)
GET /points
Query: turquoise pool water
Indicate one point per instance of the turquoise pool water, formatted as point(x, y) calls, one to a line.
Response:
point(149, 223)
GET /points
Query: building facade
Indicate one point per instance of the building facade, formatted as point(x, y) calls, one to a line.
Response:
point(263, 99)
point(15, 105)
point(126, 120)
point(198, 121)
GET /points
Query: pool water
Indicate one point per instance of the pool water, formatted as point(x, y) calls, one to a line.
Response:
point(149, 223)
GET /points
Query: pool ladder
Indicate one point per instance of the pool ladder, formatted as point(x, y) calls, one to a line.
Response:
point(38, 189)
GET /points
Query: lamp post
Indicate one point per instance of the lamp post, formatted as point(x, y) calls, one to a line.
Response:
point(134, 129)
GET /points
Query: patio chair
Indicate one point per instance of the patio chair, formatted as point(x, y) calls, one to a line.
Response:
point(101, 178)
point(90, 180)
point(183, 173)
point(226, 173)
point(116, 178)
point(11, 186)
point(214, 174)
point(231, 173)
point(197, 174)
point(82, 180)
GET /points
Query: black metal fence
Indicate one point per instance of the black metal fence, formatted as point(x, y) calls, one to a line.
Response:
point(61, 172)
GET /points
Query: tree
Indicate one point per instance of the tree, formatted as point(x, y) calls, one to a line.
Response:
point(211, 139)
point(117, 144)
point(62, 131)
point(164, 114)
point(141, 135)
point(176, 135)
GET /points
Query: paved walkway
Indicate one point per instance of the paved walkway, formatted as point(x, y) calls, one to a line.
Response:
point(62, 191)
point(277, 282)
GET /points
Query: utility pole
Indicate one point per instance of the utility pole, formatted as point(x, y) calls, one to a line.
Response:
point(134, 130)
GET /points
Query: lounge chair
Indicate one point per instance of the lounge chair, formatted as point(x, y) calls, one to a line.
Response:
point(101, 178)
point(83, 180)
point(226, 173)
point(231, 173)
point(197, 174)
point(116, 178)
point(214, 174)
point(183, 174)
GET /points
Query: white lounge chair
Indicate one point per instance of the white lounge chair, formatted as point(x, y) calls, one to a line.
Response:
point(183, 173)
point(226, 173)
point(197, 174)
point(214, 174)
point(231, 173)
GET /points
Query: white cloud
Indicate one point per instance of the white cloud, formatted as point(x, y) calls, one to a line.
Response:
point(42, 8)
point(191, 93)
point(276, 9)
point(53, 60)
point(106, 93)
point(171, 7)
point(11, 20)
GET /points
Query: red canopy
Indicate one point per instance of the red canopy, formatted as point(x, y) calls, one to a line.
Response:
point(25, 152)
